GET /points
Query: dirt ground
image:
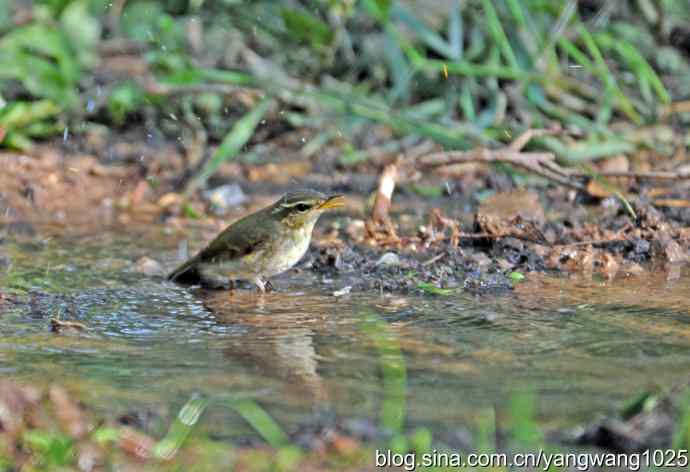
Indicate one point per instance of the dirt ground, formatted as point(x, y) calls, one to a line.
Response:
point(476, 230)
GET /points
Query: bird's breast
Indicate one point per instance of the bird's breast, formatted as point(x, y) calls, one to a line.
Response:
point(287, 252)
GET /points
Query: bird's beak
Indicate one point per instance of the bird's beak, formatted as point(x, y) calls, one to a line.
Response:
point(335, 201)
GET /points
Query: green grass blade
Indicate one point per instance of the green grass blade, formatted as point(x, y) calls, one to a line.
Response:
point(393, 368)
point(426, 34)
point(468, 69)
point(606, 76)
point(180, 430)
point(499, 35)
point(238, 136)
point(261, 421)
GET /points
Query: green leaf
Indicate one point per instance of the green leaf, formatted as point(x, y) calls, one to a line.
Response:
point(39, 57)
point(238, 136)
point(19, 115)
point(105, 435)
point(421, 440)
point(516, 276)
point(523, 423)
point(643, 402)
point(306, 27)
point(190, 212)
point(54, 449)
point(139, 19)
point(379, 9)
point(124, 99)
point(432, 289)
point(83, 31)
point(427, 191)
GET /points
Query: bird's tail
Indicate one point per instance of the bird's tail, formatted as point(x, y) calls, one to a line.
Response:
point(186, 273)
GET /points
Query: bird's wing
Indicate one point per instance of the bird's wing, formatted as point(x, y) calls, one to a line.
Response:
point(237, 240)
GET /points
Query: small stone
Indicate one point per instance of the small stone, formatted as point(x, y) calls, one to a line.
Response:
point(149, 266)
point(342, 291)
point(389, 259)
point(224, 197)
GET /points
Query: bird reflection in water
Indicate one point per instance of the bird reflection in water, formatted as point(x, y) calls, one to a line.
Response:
point(280, 336)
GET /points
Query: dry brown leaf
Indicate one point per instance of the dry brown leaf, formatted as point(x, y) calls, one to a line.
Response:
point(672, 203)
point(136, 444)
point(610, 185)
point(70, 415)
point(57, 325)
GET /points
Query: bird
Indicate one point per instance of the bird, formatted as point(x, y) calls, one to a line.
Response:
point(262, 244)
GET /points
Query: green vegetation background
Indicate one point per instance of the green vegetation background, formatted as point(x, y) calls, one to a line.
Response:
point(461, 73)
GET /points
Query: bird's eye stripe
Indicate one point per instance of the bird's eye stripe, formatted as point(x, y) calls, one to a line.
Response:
point(294, 204)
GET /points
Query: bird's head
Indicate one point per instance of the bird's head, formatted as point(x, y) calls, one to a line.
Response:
point(301, 209)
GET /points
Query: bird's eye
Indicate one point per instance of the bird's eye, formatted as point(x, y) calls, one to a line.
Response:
point(302, 207)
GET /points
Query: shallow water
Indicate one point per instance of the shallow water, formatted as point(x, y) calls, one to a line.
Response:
point(581, 346)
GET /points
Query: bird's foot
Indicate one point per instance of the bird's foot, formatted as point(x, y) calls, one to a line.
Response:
point(260, 285)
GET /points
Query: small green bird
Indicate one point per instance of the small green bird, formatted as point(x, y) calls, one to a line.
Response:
point(262, 244)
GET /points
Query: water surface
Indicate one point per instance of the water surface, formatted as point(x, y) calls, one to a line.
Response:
point(582, 346)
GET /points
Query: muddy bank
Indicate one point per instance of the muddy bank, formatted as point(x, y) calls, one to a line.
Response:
point(454, 237)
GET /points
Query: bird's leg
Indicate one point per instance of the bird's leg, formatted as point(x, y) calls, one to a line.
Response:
point(269, 286)
point(260, 284)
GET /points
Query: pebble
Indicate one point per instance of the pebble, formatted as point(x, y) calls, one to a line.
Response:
point(225, 197)
point(342, 291)
point(389, 259)
point(149, 266)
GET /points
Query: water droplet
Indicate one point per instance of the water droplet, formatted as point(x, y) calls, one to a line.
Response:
point(304, 140)
point(90, 105)
point(172, 115)
point(65, 134)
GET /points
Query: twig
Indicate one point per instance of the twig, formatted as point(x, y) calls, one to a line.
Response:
point(660, 175)
point(433, 259)
point(380, 212)
point(540, 163)
point(592, 242)
point(521, 141)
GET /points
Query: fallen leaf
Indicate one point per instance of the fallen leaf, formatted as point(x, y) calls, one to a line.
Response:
point(136, 444)
point(70, 415)
point(672, 203)
point(57, 326)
